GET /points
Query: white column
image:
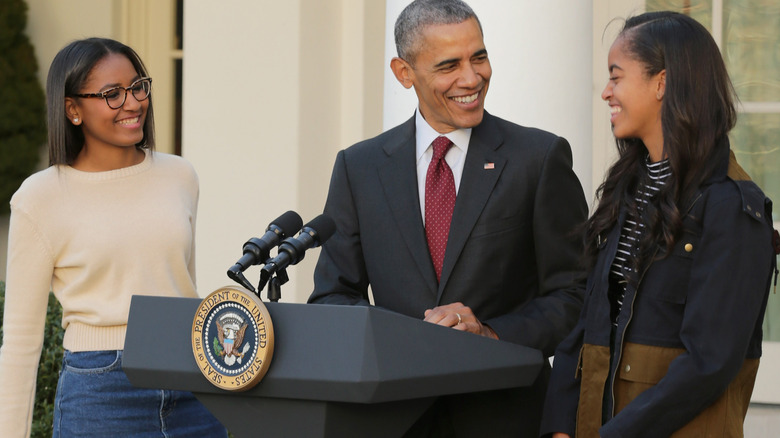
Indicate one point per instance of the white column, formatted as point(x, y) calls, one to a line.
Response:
point(272, 91)
point(240, 124)
point(542, 69)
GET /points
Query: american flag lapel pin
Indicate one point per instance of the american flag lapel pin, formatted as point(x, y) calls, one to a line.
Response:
point(490, 166)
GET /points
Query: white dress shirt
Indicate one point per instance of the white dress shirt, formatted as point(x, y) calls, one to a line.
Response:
point(455, 157)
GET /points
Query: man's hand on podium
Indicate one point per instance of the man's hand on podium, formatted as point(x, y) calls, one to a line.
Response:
point(459, 317)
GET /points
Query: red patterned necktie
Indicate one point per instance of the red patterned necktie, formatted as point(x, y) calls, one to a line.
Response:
point(439, 202)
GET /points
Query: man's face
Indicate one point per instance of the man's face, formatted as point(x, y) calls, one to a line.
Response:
point(450, 74)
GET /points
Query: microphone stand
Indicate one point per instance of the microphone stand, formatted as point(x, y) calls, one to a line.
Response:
point(275, 285)
point(236, 275)
point(275, 280)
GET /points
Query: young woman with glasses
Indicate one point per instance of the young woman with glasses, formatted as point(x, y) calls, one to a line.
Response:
point(108, 219)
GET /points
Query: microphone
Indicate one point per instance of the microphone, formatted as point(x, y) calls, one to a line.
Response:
point(258, 250)
point(292, 249)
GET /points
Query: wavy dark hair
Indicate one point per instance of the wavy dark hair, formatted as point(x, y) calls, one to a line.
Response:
point(697, 112)
point(68, 73)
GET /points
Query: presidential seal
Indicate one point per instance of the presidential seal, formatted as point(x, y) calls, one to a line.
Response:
point(233, 338)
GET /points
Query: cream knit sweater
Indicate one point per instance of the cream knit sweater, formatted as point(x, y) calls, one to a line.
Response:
point(95, 239)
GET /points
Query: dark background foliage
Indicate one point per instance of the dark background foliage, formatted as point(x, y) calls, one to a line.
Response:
point(22, 102)
point(49, 368)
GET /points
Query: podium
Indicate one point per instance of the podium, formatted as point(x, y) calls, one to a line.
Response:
point(336, 371)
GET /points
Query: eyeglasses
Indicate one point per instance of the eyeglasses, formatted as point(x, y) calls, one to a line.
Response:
point(115, 97)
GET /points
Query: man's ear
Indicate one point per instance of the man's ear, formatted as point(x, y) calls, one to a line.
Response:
point(403, 72)
point(661, 85)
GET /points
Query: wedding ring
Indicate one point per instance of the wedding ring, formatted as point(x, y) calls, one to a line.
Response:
point(460, 320)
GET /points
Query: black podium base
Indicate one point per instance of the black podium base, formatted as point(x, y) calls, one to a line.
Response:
point(266, 417)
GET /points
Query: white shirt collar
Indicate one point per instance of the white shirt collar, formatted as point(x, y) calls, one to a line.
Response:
point(425, 135)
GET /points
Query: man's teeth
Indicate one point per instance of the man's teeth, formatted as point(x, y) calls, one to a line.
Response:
point(615, 109)
point(466, 99)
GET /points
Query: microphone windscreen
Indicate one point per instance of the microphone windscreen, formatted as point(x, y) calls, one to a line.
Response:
point(324, 226)
point(290, 222)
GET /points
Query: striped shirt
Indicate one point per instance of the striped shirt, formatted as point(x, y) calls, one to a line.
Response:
point(631, 234)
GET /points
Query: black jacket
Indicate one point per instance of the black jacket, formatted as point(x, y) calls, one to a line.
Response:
point(703, 304)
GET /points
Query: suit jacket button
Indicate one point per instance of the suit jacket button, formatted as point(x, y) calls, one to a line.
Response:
point(688, 247)
point(628, 368)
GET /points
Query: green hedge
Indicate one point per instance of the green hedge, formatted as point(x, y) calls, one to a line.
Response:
point(22, 102)
point(49, 367)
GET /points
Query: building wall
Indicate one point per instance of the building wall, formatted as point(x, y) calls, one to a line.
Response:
point(273, 90)
point(52, 25)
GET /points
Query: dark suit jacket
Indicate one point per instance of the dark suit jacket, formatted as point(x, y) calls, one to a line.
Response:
point(512, 254)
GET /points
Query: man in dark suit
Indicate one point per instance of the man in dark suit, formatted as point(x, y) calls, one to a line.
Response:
point(508, 267)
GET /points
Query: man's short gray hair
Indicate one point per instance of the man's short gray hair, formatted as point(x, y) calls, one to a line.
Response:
point(421, 13)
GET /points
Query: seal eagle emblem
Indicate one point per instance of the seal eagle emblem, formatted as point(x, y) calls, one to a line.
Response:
point(232, 338)
point(230, 331)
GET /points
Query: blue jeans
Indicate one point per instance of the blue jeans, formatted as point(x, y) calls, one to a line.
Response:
point(95, 399)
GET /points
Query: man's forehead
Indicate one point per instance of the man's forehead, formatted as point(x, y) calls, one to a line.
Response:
point(448, 40)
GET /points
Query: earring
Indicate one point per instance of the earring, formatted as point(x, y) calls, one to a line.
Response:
point(75, 120)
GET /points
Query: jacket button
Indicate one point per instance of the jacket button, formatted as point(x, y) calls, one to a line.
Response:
point(628, 368)
point(688, 247)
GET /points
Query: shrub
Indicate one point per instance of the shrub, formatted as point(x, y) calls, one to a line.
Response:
point(49, 367)
point(22, 103)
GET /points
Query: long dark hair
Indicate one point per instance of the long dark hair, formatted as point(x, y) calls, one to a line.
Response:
point(697, 112)
point(68, 72)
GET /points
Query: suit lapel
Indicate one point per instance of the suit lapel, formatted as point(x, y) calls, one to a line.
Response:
point(481, 171)
point(398, 176)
